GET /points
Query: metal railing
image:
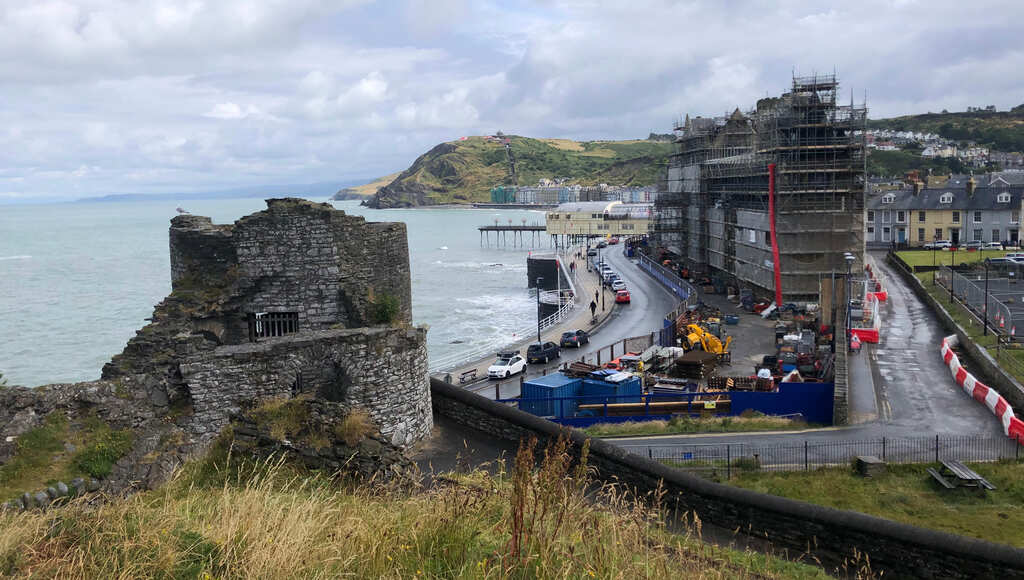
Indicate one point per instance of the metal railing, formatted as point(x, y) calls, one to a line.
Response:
point(971, 293)
point(728, 458)
point(681, 288)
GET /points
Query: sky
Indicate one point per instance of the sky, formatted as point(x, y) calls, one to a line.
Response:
point(105, 96)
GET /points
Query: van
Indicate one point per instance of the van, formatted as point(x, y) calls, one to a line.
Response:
point(1013, 255)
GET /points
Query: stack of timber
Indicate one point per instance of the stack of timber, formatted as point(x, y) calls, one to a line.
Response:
point(695, 364)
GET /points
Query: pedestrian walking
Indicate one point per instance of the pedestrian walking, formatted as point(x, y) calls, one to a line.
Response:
point(593, 308)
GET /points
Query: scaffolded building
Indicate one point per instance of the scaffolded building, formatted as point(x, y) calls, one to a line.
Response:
point(715, 214)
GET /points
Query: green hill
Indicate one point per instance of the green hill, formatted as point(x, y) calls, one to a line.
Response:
point(1001, 130)
point(464, 171)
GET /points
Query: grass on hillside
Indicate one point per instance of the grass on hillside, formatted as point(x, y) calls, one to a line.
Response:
point(226, 518)
point(690, 425)
point(42, 457)
point(908, 494)
point(947, 258)
point(372, 187)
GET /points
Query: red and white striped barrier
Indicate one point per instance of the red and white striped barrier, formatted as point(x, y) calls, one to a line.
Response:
point(872, 331)
point(1012, 426)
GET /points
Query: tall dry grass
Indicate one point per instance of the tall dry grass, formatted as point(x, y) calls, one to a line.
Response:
point(229, 518)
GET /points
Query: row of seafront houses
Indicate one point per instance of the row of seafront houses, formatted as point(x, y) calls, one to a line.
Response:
point(962, 209)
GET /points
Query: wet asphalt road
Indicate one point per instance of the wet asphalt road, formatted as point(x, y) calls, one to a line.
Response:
point(643, 315)
point(899, 388)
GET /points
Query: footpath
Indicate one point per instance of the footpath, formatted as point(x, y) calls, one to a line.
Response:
point(587, 287)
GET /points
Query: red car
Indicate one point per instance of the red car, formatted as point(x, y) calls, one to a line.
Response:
point(622, 297)
point(613, 241)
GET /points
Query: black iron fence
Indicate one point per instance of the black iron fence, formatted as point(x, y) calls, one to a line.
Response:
point(727, 459)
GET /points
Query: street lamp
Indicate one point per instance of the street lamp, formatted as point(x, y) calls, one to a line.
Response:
point(935, 242)
point(984, 312)
point(540, 280)
point(849, 286)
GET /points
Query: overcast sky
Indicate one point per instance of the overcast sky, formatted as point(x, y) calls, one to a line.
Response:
point(106, 96)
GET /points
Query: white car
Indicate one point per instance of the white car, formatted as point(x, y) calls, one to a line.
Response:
point(508, 364)
point(618, 285)
point(993, 246)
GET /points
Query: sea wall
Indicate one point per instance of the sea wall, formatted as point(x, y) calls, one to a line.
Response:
point(831, 536)
point(382, 370)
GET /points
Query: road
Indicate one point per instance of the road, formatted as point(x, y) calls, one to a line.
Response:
point(650, 301)
point(899, 388)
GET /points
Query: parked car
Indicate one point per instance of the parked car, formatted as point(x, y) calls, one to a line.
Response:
point(613, 241)
point(592, 252)
point(508, 364)
point(938, 245)
point(602, 244)
point(622, 297)
point(1012, 255)
point(1005, 261)
point(574, 339)
point(542, 352)
point(618, 285)
point(974, 245)
point(994, 246)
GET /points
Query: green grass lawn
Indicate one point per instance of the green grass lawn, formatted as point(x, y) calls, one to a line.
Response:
point(946, 258)
point(908, 494)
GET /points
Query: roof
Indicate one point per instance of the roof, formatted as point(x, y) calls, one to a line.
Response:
point(983, 198)
point(633, 210)
point(586, 206)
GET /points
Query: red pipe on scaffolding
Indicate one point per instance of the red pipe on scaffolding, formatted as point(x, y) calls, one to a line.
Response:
point(775, 241)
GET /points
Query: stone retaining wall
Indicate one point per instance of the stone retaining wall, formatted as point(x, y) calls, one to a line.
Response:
point(793, 527)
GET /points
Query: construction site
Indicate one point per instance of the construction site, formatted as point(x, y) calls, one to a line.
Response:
point(768, 201)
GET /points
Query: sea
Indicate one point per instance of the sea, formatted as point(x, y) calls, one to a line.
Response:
point(78, 279)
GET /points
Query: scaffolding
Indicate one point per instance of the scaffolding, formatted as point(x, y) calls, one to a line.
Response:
point(713, 213)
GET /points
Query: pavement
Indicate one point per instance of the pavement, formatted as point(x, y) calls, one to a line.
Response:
point(644, 314)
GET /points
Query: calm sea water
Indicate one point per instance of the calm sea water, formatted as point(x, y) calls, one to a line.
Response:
point(78, 279)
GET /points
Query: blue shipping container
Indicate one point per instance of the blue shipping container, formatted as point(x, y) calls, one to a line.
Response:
point(631, 389)
point(551, 386)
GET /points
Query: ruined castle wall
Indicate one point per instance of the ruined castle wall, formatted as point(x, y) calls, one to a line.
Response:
point(200, 250)
point(382, 370)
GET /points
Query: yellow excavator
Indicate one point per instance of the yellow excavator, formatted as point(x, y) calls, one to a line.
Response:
point(697, 335)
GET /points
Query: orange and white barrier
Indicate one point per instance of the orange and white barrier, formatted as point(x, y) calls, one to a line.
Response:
point(870, 332)
point(1012, 426)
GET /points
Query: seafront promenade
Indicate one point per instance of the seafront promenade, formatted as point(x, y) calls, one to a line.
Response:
point(612, 324)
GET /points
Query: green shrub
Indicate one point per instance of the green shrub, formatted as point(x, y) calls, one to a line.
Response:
point(384, 308)
point(107, 446)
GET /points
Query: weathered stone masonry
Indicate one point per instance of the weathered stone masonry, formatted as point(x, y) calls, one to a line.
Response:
point(178, 381)
point(382, 370)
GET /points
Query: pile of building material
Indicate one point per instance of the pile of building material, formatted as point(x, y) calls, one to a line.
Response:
point(695, 364)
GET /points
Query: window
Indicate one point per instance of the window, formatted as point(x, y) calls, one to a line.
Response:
point(956, 217)
point(886, 234)
point(871, 215)
point(977, 217)
point(1014, 216)
point(946, 198)
point(920, 216)
point(888, 198)
point(996, 235)
point(871, 231)
point(901, 217)
point(920, 234)
point(886, 216)
point(271, 324)
point(977, 235)
point(752, 236)
point(938, 233)
point(1003, 198)
point(627, 226)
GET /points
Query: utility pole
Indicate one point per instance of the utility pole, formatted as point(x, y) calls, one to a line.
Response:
point(849, 273)
point(984, 312)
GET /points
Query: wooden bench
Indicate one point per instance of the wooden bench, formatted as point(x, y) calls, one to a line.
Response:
point(953, 474)
point(467, 376)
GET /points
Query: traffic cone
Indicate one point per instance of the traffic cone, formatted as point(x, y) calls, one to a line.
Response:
point(1002, 322)
point(1013, 331)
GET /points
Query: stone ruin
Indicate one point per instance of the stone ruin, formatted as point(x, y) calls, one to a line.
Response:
point(298, 300)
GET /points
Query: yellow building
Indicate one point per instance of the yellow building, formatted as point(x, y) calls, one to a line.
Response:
point(599, 218)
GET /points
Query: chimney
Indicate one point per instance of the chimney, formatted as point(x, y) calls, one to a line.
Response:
point(970, 185)
point(917, 188)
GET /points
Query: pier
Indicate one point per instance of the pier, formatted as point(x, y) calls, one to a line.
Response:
point(501, 235)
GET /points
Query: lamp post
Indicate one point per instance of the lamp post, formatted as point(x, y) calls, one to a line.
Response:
point(849, 286)
point(934, 244)
point(539, 281)
point(984, 312)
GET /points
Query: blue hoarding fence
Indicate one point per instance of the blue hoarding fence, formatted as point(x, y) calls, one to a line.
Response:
point(681, 288)
point(812, 401)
